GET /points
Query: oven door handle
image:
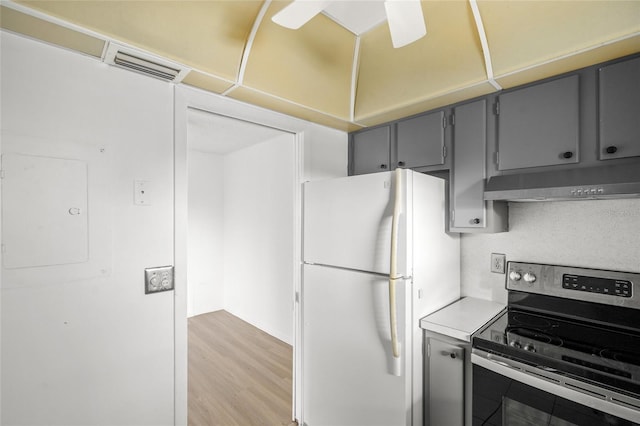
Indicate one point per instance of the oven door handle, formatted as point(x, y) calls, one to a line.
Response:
point(574, 390)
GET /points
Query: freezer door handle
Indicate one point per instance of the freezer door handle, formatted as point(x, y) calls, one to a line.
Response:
point(393, 272)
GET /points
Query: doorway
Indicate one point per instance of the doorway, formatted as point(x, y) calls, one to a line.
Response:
point(241, 201)
point(320, 153)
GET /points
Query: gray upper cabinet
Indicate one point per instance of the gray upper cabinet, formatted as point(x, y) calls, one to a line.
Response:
point(539, 125)
point(370, 150)
point(469, 211)
point(413, 143)
point(420, 141)
point(468, 171)
point(619, 110)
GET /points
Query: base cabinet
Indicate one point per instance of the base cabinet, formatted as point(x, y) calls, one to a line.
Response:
point(447, 381)
point(448, 387)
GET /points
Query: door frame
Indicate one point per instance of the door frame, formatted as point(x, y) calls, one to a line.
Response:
point(189, 98)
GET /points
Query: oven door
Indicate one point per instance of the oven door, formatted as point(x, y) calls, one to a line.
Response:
point(509, 393)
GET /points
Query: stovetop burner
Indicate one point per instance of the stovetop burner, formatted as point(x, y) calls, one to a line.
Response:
point(533, 334)
point(625, 357)
point(514, 333)
point(529, 321)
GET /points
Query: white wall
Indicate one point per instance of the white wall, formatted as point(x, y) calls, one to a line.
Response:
point(325, 154)
point(594, 234)
point(82, 344)
point(259, 235)
point(206, 232)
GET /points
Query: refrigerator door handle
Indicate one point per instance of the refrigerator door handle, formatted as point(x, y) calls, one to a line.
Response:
point(393, 275)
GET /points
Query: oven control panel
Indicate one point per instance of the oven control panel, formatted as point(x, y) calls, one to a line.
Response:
point(611, 287)
point(591, 285)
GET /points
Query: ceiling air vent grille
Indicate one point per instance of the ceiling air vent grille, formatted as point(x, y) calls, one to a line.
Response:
point(147, 67)
point(144, 63)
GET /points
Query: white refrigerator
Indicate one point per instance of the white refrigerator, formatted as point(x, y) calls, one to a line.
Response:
point(376, 260)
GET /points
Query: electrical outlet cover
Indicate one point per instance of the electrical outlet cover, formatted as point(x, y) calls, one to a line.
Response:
point(158, 279)
point(497, 263)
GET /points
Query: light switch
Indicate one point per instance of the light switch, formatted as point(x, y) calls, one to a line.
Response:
point(158, 279)
point(142, 192)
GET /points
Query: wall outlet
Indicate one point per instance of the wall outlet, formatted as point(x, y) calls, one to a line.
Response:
point(497, 263)
point(158, 279)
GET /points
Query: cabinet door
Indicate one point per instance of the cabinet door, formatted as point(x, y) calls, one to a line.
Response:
point(619, 110)
point(468, 169)
point(539, 125)
point(421, 141)
point(370, 150)
point(446, 384)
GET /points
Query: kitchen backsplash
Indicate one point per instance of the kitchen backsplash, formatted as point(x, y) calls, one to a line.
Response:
point(603, 234)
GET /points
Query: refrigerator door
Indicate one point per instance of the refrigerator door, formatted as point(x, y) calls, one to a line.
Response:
point(349, 370)
point(347, 222)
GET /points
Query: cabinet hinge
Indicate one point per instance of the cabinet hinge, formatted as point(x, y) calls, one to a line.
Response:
point(497, 108)
point(428, 350)
point(297, 297)
point(444, 121)
point(498, 157)
point(453, 216)
point(444, 152)
point(453, 119)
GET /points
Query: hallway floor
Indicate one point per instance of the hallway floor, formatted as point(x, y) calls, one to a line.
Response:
point(238, 374)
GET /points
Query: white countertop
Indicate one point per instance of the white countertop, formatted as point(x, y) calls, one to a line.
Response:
point(462, 318)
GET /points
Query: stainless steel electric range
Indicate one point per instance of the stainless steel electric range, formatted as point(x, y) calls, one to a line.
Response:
point(565, 352)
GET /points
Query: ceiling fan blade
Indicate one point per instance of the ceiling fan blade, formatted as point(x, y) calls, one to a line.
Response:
point(406, 21)
point(299, 13)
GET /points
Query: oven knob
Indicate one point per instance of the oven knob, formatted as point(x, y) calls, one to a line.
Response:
point(529, 347)
point(514, 276)
point(515, 344)
point(529, 277)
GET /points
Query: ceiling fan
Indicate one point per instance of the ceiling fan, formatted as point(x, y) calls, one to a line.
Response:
point(406, 22)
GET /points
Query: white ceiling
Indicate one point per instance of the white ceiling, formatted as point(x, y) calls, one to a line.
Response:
point(217, 134)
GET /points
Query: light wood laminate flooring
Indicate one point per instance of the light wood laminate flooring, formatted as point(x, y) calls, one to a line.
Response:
point(238, 374)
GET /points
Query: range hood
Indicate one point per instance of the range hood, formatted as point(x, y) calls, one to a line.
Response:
point(601, 182)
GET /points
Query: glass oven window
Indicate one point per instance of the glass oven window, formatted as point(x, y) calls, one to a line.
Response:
point(516, 413)
point(501, 401)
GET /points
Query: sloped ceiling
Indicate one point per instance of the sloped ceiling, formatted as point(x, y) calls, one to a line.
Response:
point(326, 74)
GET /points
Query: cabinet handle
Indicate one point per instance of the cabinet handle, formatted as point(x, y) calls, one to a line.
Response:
point(611, 149)
point(567, 154)
point(383, 166)
point(401, 163)
point(451, 355)
point(475, 221)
